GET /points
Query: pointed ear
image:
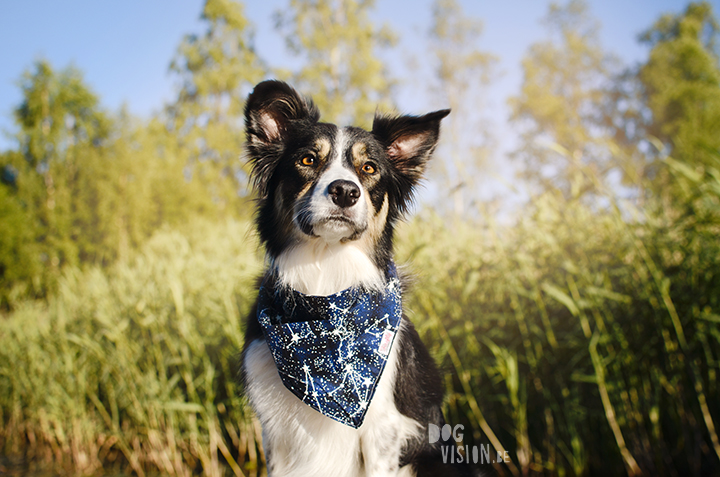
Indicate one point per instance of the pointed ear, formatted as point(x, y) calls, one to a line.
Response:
point(271, 107)
point(409, 141)
point(270, 110)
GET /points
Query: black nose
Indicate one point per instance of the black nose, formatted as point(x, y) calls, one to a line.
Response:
point(344, 193)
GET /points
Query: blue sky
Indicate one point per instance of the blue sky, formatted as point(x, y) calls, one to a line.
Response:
point(124, 48)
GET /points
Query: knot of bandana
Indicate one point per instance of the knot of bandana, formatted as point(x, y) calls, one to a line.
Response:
point(330, 351)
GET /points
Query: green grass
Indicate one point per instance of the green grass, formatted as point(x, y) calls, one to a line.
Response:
point(584, 339)
point(580, 340)
point(136, 364)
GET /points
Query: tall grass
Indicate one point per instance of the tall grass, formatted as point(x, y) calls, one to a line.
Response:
point(584, 339)
point(135, 365)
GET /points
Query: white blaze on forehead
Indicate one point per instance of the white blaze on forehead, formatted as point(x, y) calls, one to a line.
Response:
point(336, 168)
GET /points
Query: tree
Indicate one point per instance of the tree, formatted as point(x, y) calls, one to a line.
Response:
point(133, 186)
point(84, 186)
point(216, 72)
point(20, 267)
point(563, 91)
point(681, 81)
point(461, 72)
point(59, 120)
point(340, 47)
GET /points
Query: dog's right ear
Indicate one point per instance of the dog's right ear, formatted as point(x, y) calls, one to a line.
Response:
point(269, 111)
point(409, 141)
point(271, 107)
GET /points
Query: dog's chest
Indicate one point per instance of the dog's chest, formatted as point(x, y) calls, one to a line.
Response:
point(316, 268)
point(300, 441)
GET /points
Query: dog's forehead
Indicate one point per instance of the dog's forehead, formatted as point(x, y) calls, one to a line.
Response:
point(349, 142)
point(356, 138)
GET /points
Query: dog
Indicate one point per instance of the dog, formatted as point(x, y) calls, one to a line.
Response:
point(336, 397)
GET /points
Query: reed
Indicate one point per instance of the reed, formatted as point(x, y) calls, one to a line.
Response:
point(135, 365)
point(583, 338)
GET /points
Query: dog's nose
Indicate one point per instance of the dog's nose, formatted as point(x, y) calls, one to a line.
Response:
point(344, 193)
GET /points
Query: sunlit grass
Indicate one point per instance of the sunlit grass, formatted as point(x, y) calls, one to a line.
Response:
point(136, 364)
point(578, 339)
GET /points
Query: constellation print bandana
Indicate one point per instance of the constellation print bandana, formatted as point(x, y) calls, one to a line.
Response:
point(330, 351)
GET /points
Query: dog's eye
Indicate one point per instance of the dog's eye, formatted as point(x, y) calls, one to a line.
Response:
point(307, 161)
point(368, 168)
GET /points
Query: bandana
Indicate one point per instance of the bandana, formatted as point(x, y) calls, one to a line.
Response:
point(330, 351)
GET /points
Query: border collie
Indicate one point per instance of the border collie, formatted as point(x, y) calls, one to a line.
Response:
point(338, 376)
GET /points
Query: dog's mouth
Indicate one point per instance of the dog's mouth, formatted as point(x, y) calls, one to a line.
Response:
point(338, 227)
point(335, 227)
point(338, 219)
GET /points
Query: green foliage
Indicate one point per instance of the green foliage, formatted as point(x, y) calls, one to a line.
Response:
point(87, 187)
point(19, 256)
point(136, 364)
point(634, 277)
point(58, 112)
point(216, 71)
point(60, 124)
point(563, 92)
point(576, 339)
point(669, 104)
point(132, 187)
point(583, 338)
point(580, 340)
point(682, 83)
point(341, 67)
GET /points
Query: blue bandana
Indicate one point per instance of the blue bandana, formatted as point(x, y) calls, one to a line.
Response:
point(331, 350)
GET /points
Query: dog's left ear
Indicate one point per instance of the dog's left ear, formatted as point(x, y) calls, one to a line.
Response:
point(409, 141)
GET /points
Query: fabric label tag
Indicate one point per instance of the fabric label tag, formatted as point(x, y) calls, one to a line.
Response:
point(385, 342)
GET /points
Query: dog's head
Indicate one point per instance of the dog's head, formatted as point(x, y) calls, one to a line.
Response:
point(316, 181)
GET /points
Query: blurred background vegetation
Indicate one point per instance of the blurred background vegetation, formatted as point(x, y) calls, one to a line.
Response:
point(579, 331)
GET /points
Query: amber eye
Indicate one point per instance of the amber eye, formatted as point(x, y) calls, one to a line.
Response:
point(308, 161)
point(368, 168)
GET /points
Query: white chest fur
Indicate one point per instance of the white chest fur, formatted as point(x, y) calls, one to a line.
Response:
point(300, 441)
point(317, 268)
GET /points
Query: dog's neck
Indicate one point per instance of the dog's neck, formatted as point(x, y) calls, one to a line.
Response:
point(315, 267)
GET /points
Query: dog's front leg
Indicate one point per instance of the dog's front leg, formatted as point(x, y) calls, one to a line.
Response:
point(381, 453)
point(385, 430)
